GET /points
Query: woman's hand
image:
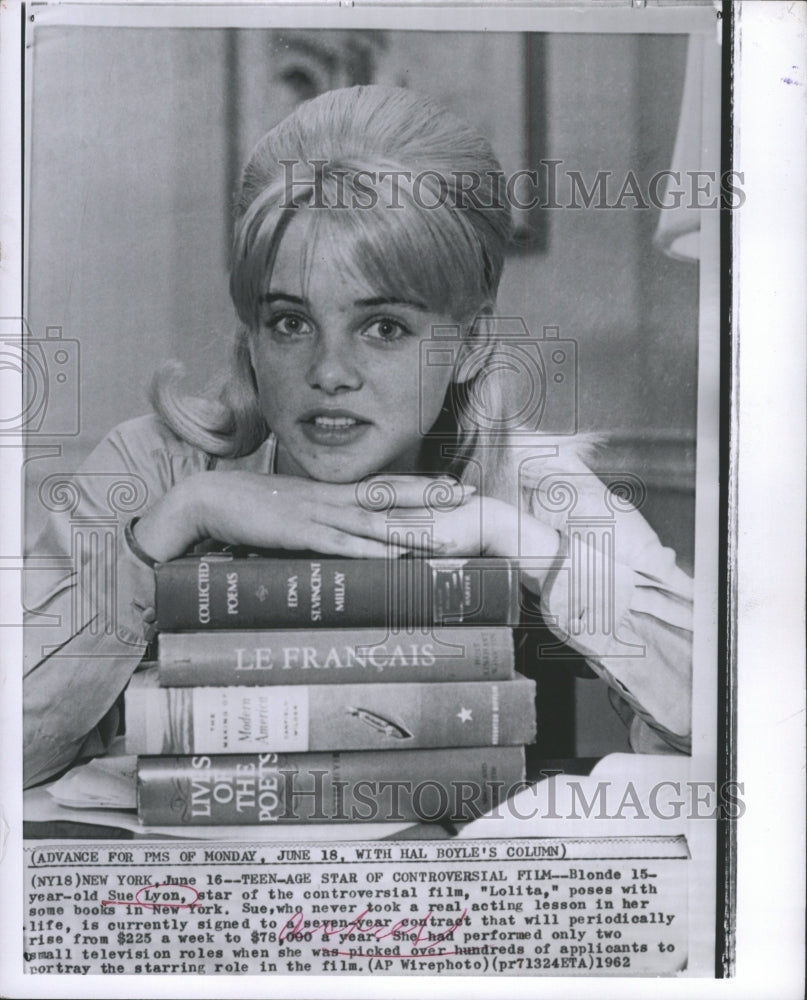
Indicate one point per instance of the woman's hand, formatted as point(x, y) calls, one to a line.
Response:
point(484, 526)
point(379, 517)
point(247, 508)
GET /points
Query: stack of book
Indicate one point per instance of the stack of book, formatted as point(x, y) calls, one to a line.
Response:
point(291, 690)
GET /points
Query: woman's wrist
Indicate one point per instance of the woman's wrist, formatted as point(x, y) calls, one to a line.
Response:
point(535, 545)
point(169, 528)
point(539, 547)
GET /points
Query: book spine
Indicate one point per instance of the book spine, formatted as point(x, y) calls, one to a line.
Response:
point(221, 592)
point(333, 656)
point(271, 789)
point(328, 717)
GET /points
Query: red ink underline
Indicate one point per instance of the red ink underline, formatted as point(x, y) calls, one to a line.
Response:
point(137, 901)
point(360, 954)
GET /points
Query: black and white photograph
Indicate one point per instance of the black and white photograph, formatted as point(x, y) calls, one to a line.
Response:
point(376, 430)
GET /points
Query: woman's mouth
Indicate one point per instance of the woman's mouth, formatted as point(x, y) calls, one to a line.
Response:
point(335, 421)
point(333, 428)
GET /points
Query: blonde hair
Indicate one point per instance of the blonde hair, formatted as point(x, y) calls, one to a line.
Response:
point(444, 242)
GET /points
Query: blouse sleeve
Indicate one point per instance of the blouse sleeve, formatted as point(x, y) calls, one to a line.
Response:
point(616, 595)
point(88, 598)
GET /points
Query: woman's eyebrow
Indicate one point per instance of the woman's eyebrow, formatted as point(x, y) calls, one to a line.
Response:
point(274, 296)
point(382, 301)
point(369, 303)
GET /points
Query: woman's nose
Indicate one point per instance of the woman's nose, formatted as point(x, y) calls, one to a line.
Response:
point(333, 367)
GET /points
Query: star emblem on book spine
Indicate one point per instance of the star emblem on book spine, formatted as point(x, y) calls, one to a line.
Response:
point(464, 715)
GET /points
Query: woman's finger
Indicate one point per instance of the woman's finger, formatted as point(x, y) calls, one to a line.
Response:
point(386, 493)
point(332, 541)
point(353, 520)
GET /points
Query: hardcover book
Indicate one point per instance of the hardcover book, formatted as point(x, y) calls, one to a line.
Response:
point(202, 720)
point(220, 591)
point(358, 786)
point(334, 656)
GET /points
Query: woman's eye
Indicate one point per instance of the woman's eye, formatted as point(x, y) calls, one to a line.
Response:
point(289, 325)
point(387, 330)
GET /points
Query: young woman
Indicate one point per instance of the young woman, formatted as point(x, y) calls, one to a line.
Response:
point(371, 225)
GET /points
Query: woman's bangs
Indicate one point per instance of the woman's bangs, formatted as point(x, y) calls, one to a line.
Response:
point(405, 254)
point(410, 253)
point(254, 250)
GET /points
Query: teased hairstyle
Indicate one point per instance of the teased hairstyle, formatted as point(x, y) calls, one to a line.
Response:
point(344, 158)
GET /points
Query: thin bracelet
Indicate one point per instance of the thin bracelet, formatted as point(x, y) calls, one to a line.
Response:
point(131, 541)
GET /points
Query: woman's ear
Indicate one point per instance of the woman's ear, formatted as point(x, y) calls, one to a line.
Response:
point(477, 345)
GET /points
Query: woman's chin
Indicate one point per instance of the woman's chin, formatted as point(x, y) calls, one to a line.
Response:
point(345, 465)
point(349, 472)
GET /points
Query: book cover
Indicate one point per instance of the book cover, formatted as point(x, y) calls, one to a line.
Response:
point(326, 717)
point(220, 591)
point(333, 656)
point(357, 786)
